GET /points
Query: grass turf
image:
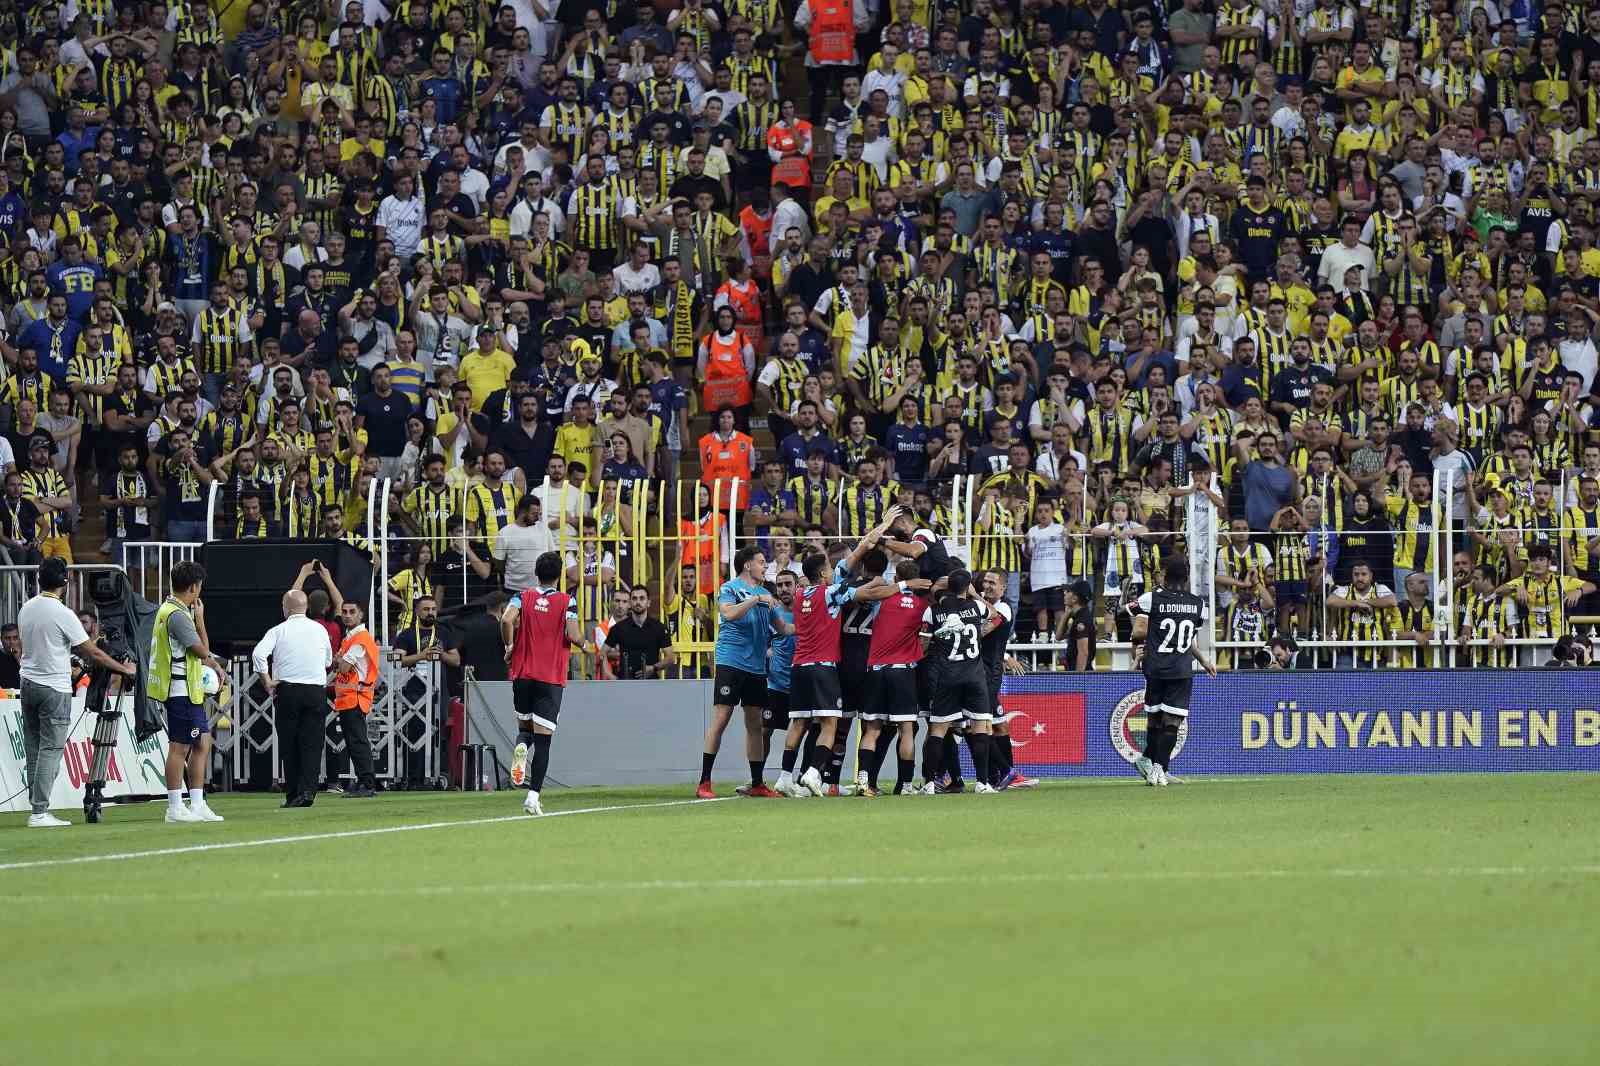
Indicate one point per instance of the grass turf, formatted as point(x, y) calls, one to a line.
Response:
point(1308, 920)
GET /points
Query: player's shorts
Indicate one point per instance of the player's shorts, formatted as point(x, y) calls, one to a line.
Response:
point(538, 702)
point(775, 714)
point(894, 695)
point(855, 692)
point(1168, 694)
point(732, 687)
point(186, 721)
point(814, 692)
point(961, 695)
point(1050, 599)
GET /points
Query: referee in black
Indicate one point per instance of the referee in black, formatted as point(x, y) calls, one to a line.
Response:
point(297, 680)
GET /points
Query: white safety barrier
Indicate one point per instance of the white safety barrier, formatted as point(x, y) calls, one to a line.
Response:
point(137, 768)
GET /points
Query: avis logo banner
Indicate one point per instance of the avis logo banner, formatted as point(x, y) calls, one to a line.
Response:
point(1047, 728)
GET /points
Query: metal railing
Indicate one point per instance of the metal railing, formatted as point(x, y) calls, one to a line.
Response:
point(20, 583)
point(149, 564)
point(404, 727)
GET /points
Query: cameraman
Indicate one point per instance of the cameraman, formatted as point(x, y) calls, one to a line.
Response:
point(51, 633)
point(1569, 652)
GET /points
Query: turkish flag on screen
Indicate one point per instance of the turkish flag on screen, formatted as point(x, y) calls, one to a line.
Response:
point(1047, 729)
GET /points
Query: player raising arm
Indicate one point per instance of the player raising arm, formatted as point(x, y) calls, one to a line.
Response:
point(1171, 616)
point(814, 691)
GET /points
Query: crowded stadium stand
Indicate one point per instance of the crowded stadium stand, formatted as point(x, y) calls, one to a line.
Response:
point(1305, 292)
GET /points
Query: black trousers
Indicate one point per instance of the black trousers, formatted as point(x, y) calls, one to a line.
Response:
point(300, 716)
point(825, 79)
point(357, 745)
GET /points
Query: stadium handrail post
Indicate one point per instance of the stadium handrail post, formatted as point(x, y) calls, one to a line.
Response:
point(382, 574)
point(383, 539)
point(213, 494)
point(733, 524)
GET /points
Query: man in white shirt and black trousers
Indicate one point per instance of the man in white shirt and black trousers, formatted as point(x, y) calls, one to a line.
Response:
point(298, 683)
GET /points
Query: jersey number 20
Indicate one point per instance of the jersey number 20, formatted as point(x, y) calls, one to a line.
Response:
point(1177, 636)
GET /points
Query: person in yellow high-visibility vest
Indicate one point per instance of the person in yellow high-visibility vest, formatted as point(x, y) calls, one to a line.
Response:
point(355, 680)
point(179, 653)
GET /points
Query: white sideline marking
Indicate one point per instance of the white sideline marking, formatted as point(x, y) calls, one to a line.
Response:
point(826, 883)
point(344, 834)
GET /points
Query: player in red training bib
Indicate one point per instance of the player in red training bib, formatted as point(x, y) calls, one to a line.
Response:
point(539, 629)
point(892, 660)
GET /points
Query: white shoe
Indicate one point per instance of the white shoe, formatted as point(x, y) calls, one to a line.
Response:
point(204, 813)
point(929, 789)
point(180, 813)
point(861, 780)
point(983, 789)
point(519, 765)
point(811, 781)
point(1144, 766)
point(1158, 777)
point(531, 804)
point(46, 820)
point(793, 789)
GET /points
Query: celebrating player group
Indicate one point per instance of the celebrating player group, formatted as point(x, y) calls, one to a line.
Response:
point(927, 645)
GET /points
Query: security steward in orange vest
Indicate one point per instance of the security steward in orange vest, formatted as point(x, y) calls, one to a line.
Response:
point(743, 294)
point(355, 680)
point(830, 26)
point(726, 454)
point(726, 366)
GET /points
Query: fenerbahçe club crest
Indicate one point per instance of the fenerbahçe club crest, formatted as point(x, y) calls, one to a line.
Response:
point(1128, 726)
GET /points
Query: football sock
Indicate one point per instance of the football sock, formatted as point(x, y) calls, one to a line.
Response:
point(1002, 748)
point(755, 772)
point(808, 747)
point(175, 797)
point(789, 755)
point(197, 797)
point(978, 744)
point(886, 742)
point(525, 736)
point(540, 761)
point(952, 757)
point(1166, 741)
point(835, 761)
point(903, 777)
point(932, 756)
point(706, 762)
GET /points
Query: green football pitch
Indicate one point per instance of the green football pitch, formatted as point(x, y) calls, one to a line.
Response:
point(1305, 920)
